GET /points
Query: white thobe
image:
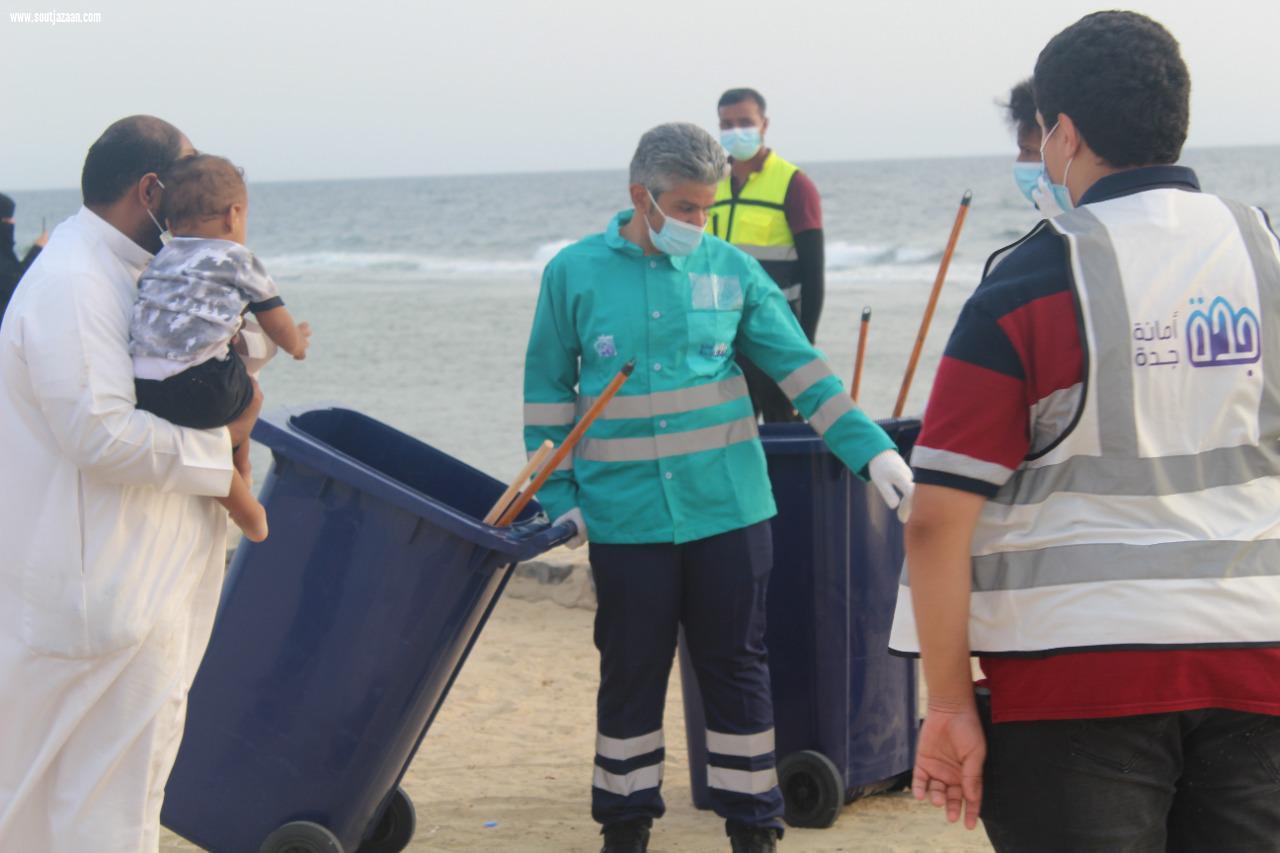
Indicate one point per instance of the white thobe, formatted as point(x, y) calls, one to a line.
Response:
point(111, 558)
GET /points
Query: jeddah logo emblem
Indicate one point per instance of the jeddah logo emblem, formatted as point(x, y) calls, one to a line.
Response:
point(1222, 335)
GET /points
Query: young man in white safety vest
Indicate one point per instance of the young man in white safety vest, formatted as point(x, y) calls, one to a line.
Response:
point(1098, 516)
point(771, 210)
point(670, 482)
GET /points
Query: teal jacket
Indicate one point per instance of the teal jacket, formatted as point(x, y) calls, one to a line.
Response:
point(676, 455)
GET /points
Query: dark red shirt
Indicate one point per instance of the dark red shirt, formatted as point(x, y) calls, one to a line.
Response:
point(1017, 342)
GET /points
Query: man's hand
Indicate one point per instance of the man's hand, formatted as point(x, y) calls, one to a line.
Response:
point(949, 760)
point(892, 477)
point(575, 516)
point(242, 426)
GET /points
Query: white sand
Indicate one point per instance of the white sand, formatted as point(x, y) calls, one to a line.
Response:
point(514, 744)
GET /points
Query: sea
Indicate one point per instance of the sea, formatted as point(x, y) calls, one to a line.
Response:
point(421, 290)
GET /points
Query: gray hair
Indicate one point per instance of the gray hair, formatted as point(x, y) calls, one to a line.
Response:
point(673, 153)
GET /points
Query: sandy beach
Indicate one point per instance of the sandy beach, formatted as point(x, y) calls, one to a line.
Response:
point(507, 764)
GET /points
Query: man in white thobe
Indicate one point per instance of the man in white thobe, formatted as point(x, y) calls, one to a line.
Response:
point(113, 549)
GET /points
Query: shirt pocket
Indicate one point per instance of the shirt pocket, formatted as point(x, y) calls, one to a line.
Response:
point(711, 336)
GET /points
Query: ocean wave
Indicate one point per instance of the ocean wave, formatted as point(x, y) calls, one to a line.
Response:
point(842, 257)
point(845, 256)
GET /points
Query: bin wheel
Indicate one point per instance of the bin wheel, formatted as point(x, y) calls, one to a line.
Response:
point(395, 830)
point(812, 789)
point(301, 836)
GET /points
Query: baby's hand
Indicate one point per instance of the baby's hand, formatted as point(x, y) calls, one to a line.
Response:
point(304, 340)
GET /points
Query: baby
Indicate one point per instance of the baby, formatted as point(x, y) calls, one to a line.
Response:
point(191, 301)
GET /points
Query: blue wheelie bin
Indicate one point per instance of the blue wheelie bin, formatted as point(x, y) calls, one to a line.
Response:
point(337, 638)
point(845, 715)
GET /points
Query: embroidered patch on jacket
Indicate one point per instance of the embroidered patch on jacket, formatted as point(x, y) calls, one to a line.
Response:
point(716, 350)
point(605, 347)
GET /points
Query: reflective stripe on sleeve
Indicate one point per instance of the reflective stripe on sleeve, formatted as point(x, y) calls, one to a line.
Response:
point(566, 464)
point(805, 376)
point(549, 414)
point(831, 411)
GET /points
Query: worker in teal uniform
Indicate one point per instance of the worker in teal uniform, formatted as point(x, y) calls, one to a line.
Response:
point(670, 482)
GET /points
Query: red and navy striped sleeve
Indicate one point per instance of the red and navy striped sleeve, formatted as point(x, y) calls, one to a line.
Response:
point(1012, 366)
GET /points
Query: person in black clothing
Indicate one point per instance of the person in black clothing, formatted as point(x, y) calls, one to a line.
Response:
point(11, 269)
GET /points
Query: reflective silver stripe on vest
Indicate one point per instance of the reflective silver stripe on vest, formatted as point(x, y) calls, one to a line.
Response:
point(792, 293)
point(1073, 564)
point(804, 377)
point(549, 414)
point(669, 402)
point(831, 411)
point(1264, 255)
point(566, 464)
point(742, 781)
point(1095, 260)
point(674, 444)
point(628, 784)
point(1167, 475)
point(769, 253)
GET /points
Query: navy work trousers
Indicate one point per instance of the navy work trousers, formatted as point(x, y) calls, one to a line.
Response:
point(715, 588)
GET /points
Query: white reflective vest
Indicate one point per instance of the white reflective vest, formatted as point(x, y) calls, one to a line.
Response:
point(1153, 518)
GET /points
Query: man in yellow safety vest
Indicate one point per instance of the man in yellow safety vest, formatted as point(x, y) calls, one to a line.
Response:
point(769, 209)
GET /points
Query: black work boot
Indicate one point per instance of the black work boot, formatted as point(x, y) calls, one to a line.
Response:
point(627, 836)
point(754, 839)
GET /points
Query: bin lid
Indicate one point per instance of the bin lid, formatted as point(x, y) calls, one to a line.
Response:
point(382, 461)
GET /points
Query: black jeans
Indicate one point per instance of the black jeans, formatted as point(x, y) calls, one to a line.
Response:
point(1180, 782)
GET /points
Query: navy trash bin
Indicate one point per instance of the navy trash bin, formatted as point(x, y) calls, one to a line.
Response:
point(337, 638)
point(845, 716)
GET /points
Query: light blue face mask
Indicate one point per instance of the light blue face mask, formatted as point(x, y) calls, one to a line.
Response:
point(742, 143)
point(676, 238)
point(1026, 176)
point(1061, 195)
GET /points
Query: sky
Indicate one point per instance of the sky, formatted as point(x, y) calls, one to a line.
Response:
point(368, 88)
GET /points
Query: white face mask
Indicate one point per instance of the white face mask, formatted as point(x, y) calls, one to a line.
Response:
point(1050, 195)
point(165, 236)
point(676, 237)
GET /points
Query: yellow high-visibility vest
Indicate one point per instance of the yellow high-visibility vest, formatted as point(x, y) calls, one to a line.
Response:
point(755, 221)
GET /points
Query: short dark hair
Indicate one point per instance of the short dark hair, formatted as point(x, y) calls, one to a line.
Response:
point(127, 150)
point(198, 187)
point(737, 96)
point(1121, 78)
point(1021, 107)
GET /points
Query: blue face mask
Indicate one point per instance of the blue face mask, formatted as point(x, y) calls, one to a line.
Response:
point(1059, 192)
point(742, 143)
point(676, 238)
point(1026, 176)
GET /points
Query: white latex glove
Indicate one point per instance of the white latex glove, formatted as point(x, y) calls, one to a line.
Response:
point(892, 477)
point(580, 538)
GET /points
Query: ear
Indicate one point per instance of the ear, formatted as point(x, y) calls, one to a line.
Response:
point(149, 191)
point(764, 127)
point(639, 198)
point(230, 218)
point(1072, 141)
